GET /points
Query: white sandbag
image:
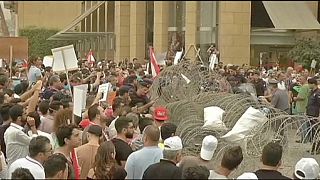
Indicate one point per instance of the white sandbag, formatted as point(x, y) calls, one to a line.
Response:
point(248, 121)
point(213, 117)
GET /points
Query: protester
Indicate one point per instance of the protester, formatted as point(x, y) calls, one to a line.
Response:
point(139, 161)
point(105, 166)
point(16, 140)
point(167, 130)
point(4, 113)
point(166, 168)
point(230, 161)
point(271, 161)
point(39, 151)
point(22, 173)
point(87, 152)
point(124, 127)
point(69, 138)
point(56, 167)
point(196, 172)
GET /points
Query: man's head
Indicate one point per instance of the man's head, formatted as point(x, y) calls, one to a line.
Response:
point(144, 122)
point(40, 148)
point(124, 126)
point(18, 115)
point(167, 130)
point(4, 111)
point(151, 135)
point(55, 106)
point(94, 132)
point(232, 158)
point(56, 167)
point(289, 70)
point(272, 154)
point(21, 173)
point(68, 135)
point(281, 76)
point(55, 82)
point(313, 83)
point(95, 113)
point(44, 107)
point(196, 172)
point(3, 81)
point(143, 87)
point(172, 149)
point(113, 80)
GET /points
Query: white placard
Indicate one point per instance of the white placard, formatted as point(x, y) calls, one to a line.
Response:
point(48, 61)
point(64, 59)
point(79, 99)
point(313, 64)
point(105, 89)
point(185, 78)
point(1, 63)
point(177, 57)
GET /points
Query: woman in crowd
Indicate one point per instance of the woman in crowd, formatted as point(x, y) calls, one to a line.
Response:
point(105, 166)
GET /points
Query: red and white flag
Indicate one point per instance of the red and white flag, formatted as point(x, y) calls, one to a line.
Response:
point(90, 57)
point(155, 70)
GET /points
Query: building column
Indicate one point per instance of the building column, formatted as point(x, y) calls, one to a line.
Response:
point(137, 30)
point(122, 30)
point(234, 32)
point(191, 35)
point(160, 29)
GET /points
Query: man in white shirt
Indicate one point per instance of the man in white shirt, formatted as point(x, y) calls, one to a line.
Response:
point(39, 151)
point(16, 140)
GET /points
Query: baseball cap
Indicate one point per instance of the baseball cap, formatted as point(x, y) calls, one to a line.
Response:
point(248, 175)
point(95, 129)
point(307, 168)
point(161, 114)
point(173, 143)
point(209, 145)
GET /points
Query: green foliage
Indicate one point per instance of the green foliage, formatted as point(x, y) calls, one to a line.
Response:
point(305, 51)
point(38, 43)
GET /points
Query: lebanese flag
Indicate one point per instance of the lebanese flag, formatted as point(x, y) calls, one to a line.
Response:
point(90, 57)
point(155, 70)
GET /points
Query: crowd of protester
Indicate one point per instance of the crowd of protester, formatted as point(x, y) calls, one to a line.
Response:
point(130, 138)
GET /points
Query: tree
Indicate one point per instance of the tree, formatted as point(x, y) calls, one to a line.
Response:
point(305, 51)
point(38, 43)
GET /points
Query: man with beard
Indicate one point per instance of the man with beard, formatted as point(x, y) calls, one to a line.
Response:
point(17, 142)
point(125, 129)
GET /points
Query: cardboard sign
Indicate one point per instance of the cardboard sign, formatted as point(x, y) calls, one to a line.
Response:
point(64, 59)
point(48, 61)
point(313, 64)
point(79, 99)
point(177, 57)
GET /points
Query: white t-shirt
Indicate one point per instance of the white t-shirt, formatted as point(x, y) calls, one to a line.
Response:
point(214, 175)
point(34, 166)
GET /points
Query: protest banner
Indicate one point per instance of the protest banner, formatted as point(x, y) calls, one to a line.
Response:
point(47, 61)
point(79, 101)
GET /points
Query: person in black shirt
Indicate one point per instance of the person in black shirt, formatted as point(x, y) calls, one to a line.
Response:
point(259, 84)
point(125, 129)
point(140, 96)
point(4, 112)
point(271, 159)
point(313, 108)
point(166, 168)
